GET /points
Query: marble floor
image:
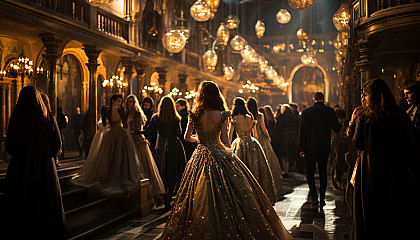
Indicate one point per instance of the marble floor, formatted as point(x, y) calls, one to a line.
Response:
point(333, 223)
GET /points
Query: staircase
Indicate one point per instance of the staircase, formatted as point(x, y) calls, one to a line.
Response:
point(88, 215)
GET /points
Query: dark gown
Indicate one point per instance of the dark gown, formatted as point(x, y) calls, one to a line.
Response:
point(169, 153)
point(382, 193)
point(33, 205)
point(219, 198)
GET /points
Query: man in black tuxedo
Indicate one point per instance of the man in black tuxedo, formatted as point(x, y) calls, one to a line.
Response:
point(315, 143)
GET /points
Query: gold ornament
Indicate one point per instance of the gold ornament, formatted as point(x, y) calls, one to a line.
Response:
point(238, 43)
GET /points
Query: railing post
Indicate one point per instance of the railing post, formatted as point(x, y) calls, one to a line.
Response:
point(93, 22)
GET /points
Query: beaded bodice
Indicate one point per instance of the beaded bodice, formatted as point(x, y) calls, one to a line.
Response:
point(241, 133)
point(211, 137)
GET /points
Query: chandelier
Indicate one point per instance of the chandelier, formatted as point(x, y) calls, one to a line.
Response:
point(302, 34)
point(210, 60)
point(308, 59)
point(341, 18)
point(270, 72)
point(228, 72)
point(115, 80)
point(223, 34)
point(174, 41)
point(301, 4)
point(232, 22)
point(99, 3)
point(152, 88)
point(200, 11)
point(213, 5)
point(237, 43)
point(283, 16)
point(175, 92)
point(190, 94)
point(259, 29)
point(249, 87)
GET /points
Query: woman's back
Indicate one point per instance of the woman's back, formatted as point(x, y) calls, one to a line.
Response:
point(210, 120)
point(245, 123)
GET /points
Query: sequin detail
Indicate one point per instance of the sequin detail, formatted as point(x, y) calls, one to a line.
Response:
point(218, 197)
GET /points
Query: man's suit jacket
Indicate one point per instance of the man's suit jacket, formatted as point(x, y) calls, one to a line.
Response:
point(315, 129)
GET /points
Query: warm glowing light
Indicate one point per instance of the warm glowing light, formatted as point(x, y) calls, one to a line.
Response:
point(232, 22)
point(301, 4)
point(283, 16)
point(99, 3)
point(341, 18)
point(210, 60)
point(302, 34)
point(260, 28)
point(238, 43)
point(174, 41)
point(223, 34)
point(200, 11)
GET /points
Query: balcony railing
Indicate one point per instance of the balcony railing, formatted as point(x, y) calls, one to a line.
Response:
point(112, 25)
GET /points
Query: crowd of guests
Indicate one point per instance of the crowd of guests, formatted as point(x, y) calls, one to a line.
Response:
point(374, 156)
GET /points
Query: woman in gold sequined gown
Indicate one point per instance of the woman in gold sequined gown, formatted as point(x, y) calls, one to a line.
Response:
point(218, 197)
point(264, 139)
point(248, 149)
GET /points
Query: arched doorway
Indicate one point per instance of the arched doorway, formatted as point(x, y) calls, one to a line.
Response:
point(69, 96)
point(307, 80)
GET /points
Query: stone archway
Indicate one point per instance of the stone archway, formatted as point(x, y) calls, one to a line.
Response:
point(305, 79)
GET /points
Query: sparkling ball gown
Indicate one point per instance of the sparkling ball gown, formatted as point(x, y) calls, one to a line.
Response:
point(219, 198)
point(112, 166)
point(272, 159)
point(249, 150)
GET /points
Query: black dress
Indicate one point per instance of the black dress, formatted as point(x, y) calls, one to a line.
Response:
point(189, 147)
point(169, 153)
point(287, 136)
point(33, 203)
point(383, 200)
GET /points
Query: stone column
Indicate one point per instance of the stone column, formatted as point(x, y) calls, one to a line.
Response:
point(162, 78)
point(128, 73)
point(51, 43)
point(367, 67)
point(182, 82)
point(141, 71)
point(92, 52)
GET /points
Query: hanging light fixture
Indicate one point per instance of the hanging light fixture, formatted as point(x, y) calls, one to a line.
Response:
point(238, 43)
point(337, 43)
point(301, 4)
point(229, 72)
point(341, 18)
point(99, 3)
point(302, 34)
point(200, 11)
point(263, 64)
point(213, 5)
point(210, 60)
point(249, 54)
point(223, 34)
point(232, 22)
point(174, 41)
point(260, 28)
point(283, 16)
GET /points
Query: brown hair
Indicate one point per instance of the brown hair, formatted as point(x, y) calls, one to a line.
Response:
point(167, 111)
point(208, 97)
point(137, 107)
point(382, 101)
